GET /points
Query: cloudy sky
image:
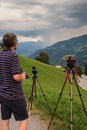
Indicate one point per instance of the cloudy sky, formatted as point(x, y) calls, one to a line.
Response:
point(47, 20)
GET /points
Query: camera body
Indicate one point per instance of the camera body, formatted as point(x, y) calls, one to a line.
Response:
point(27, 76)
point(70, 61)
point(34, 70)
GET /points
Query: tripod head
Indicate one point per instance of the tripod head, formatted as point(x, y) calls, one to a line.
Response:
point(34, 71)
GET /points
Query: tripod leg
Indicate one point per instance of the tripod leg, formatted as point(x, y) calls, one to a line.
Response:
point(35, 89)
point(71, 104)
point(31, 95)
point(57, 103)
point(44, 96)
point(80, 95)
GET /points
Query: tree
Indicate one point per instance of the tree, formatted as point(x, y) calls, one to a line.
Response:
point(43, 57)
point(85, 68)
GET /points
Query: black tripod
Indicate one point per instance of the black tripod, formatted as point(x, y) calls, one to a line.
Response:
point(33, 90)
point(70, 73)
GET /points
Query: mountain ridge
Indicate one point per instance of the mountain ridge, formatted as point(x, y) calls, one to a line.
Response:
point(28, 48)
point(75, 46)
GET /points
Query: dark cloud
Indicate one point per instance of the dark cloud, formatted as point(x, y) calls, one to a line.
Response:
point(43, 17)
point(72, 13)
point(79, 12)
point(31, 33)
point(68, 15)
point(58, 15)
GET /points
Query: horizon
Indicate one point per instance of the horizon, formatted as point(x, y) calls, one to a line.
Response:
point(48, 44)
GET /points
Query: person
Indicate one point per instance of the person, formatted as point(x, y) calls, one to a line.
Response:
point(11, 94)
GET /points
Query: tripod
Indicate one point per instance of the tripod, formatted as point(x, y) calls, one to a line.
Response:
point(70, 73)
point(33, 90)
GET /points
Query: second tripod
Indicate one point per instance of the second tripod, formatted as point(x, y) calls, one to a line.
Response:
point(70, 74)
point(33, 90)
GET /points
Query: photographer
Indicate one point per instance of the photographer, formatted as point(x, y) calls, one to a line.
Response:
point(11, 93)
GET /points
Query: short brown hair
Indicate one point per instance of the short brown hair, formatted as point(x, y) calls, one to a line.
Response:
point(9, 39)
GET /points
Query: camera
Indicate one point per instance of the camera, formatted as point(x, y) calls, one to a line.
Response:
point(70, 61)
point(34, 70)
point(27, 76)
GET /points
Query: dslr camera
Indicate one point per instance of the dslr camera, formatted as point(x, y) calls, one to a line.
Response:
point(70, 61)
point(34, 70)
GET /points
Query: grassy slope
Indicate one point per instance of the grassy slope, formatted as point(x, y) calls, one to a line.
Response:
point(51, 80)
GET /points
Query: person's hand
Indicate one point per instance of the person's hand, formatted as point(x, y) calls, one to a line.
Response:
point(23, 75)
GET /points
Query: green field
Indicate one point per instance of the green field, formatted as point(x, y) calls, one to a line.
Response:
point(51, 80)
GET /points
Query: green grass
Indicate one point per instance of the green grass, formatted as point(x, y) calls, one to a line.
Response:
point(51, 80)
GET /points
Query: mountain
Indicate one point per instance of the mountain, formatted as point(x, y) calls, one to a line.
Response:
point(28, 48)
point(75, 46)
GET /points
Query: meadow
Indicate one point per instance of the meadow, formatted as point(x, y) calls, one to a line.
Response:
point(51, 80)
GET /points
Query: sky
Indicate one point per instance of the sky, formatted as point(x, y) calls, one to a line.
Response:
point(49, 21)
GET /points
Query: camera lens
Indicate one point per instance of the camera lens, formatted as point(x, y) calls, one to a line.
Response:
point(27, 76)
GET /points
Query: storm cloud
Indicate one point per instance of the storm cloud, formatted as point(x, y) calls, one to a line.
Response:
point(49, 20)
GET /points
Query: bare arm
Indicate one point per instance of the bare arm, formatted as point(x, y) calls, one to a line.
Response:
point(19, 77)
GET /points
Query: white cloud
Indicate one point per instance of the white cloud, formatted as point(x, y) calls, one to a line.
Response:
point(24, 39)
point(48, 20)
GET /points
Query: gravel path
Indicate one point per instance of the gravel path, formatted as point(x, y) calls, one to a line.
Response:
point(83, 82)
point(35, 123)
